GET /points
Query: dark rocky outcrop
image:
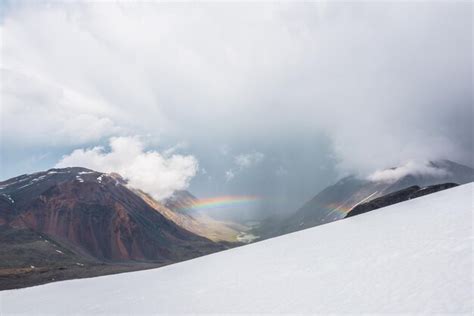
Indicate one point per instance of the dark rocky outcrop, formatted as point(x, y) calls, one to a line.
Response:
point(397, 197)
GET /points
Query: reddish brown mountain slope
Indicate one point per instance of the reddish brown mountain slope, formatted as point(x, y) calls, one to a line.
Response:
point(96, 214)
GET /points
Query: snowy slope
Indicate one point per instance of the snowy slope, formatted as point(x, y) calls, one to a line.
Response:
point(415, 256)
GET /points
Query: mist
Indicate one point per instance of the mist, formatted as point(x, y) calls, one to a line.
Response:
point(159, 174)
point(271, 99)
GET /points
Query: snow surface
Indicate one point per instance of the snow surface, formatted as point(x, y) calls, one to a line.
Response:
point(412, 257)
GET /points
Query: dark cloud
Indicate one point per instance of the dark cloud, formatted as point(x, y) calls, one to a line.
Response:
point(320, 89)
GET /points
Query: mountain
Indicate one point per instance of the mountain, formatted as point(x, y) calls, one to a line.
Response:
point(97, 214)
point(375, 263)
point(30, 258)
point(181, 201)
point(92, 217)
point(179, 209)
point(334, 202)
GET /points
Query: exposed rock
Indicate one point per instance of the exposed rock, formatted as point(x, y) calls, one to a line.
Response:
point(397, 197)
point(96, 214)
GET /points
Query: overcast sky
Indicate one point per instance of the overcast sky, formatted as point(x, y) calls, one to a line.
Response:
point(277, 100)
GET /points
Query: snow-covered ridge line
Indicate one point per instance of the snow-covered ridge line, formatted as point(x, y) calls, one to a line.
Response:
point(410, 257)
point(27, 180)
point(86, 172)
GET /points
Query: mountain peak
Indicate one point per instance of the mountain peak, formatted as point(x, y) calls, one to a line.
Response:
point(337, 200)
point(97, 213)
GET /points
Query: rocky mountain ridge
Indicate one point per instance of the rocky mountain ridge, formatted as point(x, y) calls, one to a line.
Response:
point(334, 202)
point(93, 219)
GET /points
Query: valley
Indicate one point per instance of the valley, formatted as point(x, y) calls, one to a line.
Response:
point(74, 222)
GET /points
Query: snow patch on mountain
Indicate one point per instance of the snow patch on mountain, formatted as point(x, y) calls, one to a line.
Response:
point(99, 178)
point(9, 198)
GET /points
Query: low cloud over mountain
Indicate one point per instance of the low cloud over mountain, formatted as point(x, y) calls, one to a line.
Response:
point(153, 172)
point(347, 84)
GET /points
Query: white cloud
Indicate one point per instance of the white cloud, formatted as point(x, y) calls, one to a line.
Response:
point(229, 175)
point(281, 171)
point(248, 160)
point(173, 149)
point(224, 150)
point(37, 112)
point(244, 161)
point(149, 171)
point(244, 73)
point(410, 168)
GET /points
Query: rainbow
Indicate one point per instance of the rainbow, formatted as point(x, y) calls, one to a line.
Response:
point(224, 201)
point(344, 208)
point(341, 208)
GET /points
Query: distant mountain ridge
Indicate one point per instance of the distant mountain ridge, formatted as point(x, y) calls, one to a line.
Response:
point(334, 202)
point(179, 209)
point(181, 201)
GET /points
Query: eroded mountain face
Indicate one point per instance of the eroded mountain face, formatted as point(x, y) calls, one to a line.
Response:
point(96, 214)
